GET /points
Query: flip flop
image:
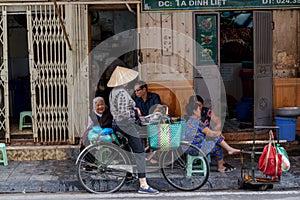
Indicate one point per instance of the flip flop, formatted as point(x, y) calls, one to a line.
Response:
point(229, 166)
point(226, 170)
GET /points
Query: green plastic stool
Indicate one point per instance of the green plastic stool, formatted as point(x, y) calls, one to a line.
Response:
point(196, 167)
point(23, 123)
point(3, 154)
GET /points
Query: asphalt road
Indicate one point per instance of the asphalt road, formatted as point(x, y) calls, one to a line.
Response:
point(213, 195)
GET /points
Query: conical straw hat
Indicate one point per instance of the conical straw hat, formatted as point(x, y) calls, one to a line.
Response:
point(121, 76)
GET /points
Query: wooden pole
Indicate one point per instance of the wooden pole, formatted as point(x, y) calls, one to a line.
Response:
point(62, 24)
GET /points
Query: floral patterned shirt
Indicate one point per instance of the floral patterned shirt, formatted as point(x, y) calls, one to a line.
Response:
point(194, 135)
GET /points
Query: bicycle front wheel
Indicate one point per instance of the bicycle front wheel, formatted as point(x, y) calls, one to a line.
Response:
point(102, 168)
point(185, 168)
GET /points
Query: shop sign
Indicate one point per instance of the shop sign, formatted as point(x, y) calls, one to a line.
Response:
point(161, 5)
point(206, 37)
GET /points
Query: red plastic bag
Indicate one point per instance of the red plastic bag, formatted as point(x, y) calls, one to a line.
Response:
point(270, 161)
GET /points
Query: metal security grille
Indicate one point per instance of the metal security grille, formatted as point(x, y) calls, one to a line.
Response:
point(263, 68)
point(4, 105)
point(48, 69)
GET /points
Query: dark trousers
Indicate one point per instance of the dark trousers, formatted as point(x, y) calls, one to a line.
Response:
point(128, 128)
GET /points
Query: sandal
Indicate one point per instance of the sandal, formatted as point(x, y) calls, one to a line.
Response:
point(226, 170)
point(229, 166)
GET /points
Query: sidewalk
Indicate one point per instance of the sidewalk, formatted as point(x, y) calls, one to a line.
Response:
point(60, 176)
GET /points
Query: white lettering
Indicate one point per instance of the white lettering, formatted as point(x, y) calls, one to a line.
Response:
point(201, 3)
point(198, 3)
point(183, 3)
point(163, 3)
point(266, 1)
point(218, 2)
point(223, 2)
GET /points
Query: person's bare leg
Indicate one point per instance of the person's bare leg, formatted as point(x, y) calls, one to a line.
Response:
point(221, 167)
point(143, 183)
point(229, 149)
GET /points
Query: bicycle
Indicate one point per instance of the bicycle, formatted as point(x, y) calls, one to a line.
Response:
point(103, 167)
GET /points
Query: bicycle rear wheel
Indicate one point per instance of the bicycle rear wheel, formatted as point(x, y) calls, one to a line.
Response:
point(102, 168)
point(185, 168)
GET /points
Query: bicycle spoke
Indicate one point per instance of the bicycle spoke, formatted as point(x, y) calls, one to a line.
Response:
point(182, 174)
point(95, 171)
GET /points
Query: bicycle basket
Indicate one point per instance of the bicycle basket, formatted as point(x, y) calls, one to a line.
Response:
point(165, 136)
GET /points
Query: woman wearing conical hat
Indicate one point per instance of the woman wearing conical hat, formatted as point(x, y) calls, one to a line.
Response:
point(124, 112)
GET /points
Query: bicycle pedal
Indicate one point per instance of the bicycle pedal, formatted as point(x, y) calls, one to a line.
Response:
point(130, 178)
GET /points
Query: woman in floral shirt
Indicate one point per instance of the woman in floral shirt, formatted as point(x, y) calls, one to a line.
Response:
point(208, 140)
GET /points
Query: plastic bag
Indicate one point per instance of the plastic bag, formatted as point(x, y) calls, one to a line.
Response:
point(100, 135)
point(270, 161)
point(285, 165)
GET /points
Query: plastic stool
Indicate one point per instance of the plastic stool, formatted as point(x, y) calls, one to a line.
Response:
point(103, 154)
point(195, 167)
point(4, 155)
point(22, 122)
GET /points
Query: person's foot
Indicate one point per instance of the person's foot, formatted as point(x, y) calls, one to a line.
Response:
point(225, 170)
point(148, 190)
point(152, 162)
point(229, 166)
point(234, 151)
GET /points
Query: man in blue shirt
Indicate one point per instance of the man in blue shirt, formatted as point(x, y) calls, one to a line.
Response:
point(145, 100)
point(146, 103)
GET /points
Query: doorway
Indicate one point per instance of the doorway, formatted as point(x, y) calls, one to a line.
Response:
point(110, 32)
point(18, 70)
point(237, 68)
point(257, 77)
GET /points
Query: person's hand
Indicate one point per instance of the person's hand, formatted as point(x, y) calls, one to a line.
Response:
point(138, 111)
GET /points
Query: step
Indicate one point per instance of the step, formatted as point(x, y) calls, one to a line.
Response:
point(245, 142)
point(42, 152)
point(39, 147)
point(21, 142)
point(25, 134)
point(244, 136)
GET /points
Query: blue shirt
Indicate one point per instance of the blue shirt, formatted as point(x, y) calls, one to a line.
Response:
point(152, 99)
